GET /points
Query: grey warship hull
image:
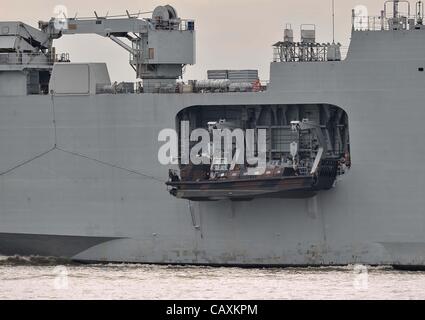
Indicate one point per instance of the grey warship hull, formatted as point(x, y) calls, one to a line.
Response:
point(80, 178)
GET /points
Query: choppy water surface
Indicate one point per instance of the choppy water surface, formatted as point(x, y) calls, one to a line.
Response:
point(36, 278)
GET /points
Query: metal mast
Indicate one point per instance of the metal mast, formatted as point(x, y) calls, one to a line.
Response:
point(395, 9)
point(333, 21)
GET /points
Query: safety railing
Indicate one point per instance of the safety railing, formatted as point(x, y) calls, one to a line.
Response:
point(13, 58)
point(187, 25)
point(299, 52)
point(23, 58)
point(173, 25)
point(380, 23)
point(178, 88)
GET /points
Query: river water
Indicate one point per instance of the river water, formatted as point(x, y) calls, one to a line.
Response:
point(42, 278)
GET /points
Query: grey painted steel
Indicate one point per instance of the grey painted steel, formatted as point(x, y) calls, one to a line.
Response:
point(86, 166)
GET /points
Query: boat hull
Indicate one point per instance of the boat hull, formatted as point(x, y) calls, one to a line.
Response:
point(86, 168)
point(247, 189)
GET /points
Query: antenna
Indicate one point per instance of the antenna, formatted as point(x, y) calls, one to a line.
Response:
point(333, 21)
point(395, 9)
point(419, 12)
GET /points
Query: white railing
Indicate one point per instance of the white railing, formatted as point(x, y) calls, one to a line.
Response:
point(14, 58)
point(24, 58)
point(298, 52)
point(167, 88)
point(380, 23)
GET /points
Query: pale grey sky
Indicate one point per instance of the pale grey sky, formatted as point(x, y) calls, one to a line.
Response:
point(230, 33)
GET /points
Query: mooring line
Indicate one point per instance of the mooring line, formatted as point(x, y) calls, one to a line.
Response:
point(110, 165)
point(27, 162)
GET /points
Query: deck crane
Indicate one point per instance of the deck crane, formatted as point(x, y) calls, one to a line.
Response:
point(160, 47)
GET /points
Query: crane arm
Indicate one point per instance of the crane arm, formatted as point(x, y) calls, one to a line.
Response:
point(105, 27)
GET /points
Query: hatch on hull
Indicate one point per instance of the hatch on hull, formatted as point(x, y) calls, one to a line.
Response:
point(305, 148)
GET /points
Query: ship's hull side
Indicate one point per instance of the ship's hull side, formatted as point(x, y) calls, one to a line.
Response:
point(87, 167)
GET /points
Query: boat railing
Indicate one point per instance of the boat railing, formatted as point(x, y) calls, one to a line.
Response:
point(24, 58)
point(303, 171)
point(15, 58)
point(178, 88)
point(381, 23)
point(176, 24)
point(173, 25)
point(317, 54)
point(186, 25)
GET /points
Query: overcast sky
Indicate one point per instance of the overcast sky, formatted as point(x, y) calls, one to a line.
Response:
point(231, 34)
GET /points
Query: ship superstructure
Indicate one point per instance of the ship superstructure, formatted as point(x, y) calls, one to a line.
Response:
point(343, 182)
